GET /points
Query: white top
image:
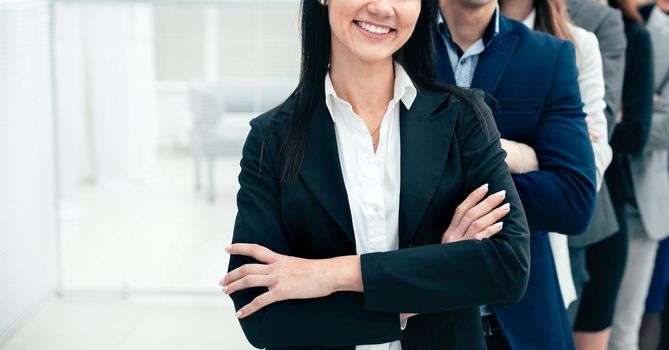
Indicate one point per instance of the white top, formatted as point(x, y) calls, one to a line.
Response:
point(372, 180)
point(591, 85)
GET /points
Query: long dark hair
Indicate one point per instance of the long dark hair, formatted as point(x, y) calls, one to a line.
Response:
point(552, 18)
point(417, 57)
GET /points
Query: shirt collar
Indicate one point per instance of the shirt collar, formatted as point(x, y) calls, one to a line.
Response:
point(490, 32)
point(529, 21)
point(403, 90)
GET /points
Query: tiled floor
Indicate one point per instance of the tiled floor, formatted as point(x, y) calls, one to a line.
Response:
point(137, 323)
point(155, 235)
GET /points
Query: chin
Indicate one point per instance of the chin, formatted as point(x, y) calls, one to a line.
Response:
point(475, 3)
point(372, 53)
point(374, 58)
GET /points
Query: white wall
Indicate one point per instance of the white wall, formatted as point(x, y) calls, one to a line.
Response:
point(106, 93)
point(27, 206)
point(250, 48)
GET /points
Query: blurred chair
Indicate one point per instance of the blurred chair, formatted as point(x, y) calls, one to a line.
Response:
point(207, 137)
point(221, 114)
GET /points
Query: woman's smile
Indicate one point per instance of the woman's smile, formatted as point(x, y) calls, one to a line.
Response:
point(374, 31)
point(370, 31)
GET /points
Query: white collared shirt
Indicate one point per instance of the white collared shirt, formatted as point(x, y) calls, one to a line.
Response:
point(372, 180)
point(530, 20)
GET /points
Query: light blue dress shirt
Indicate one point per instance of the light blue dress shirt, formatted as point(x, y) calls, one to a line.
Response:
point(464, 63)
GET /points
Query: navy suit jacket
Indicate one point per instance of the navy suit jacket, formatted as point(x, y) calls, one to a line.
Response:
point(532, 82)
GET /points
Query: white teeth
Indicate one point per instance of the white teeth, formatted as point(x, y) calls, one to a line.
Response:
point(372, 28)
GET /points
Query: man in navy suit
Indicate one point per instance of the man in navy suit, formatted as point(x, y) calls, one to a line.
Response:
point(531, 82)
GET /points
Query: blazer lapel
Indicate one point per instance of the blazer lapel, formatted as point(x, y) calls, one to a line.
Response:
point(425, 141)
point(493, 61)
point(321, 169)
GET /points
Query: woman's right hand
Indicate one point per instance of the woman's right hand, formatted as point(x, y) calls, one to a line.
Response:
point(477, 218)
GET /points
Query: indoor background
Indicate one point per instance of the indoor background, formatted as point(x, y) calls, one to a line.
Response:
point(121, 127)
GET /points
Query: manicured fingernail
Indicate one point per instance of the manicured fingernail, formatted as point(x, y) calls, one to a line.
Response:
point(239, 314)
point(501, 194)
point(506, 206)
point(484, 187)
point(499, 225)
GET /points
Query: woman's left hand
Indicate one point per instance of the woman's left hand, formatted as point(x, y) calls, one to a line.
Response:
point(286, 277)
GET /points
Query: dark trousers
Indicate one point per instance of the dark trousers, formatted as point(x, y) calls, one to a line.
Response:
point(494, 336)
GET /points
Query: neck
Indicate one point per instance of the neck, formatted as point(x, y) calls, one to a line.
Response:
point(517, 9)
point(467, 24)
point(368, 87)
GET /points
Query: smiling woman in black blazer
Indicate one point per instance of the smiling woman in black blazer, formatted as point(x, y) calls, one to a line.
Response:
point(305, 270)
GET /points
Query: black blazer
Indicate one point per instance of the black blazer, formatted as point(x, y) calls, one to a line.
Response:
point(446, 153)
point(630, 135)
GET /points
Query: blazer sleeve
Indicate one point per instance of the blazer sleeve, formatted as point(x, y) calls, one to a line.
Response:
point(441, 277)
point(331, 321)
point(631, 134)
point(560, 197)
point(612, 44)
point(658, 138)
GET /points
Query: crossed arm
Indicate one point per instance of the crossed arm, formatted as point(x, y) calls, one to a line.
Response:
point(658, 138)
point(283, 300)
point(559, 179)
point(286, 276)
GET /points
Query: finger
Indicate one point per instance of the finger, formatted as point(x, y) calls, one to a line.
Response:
point(247, 282)
point(469, 202)
point(494, 216)
point(447, 237)
point(480, 210)
point(456, 232)
point(258, 303)
point(244, 270)
point(489, 231)
point(595, 135)
point(255, 251)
